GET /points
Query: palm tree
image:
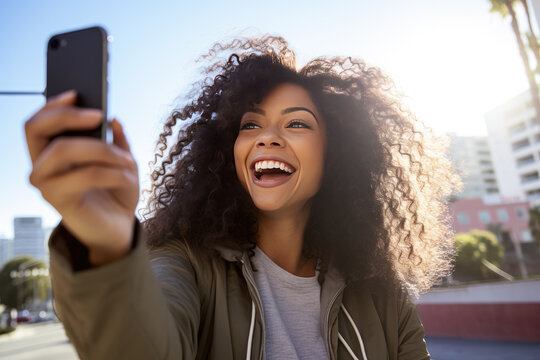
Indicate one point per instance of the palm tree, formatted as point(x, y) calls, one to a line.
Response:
point(505, 8)
point(531, 36)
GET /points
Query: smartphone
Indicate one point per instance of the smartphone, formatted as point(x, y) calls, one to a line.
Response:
point(78, 60)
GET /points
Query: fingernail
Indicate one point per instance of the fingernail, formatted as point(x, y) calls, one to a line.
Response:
point(64, 95)
point(128, 157)
point(68, 93)
point(93, 111)
point(119, 124)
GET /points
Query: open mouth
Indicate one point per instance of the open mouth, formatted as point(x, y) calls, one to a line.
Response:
point(272, 170)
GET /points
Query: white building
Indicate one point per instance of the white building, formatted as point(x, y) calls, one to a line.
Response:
point(514, 137)
point(6, 250)
point(29, 238)
point(471, 156)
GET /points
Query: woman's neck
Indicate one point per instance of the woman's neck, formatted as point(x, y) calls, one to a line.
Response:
point(281, 237)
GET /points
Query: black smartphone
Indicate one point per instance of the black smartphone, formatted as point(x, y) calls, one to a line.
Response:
point(78, 60)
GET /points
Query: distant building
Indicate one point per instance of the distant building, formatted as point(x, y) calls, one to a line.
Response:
point(6, 250)
point(471, 156)
point(507, 219)
point(512, 217)
point(514, 137)
point(29, 238)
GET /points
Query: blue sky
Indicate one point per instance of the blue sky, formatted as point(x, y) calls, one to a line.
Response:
point(453, 59)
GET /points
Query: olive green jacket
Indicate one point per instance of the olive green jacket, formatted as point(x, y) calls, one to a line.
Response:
point(174, 303)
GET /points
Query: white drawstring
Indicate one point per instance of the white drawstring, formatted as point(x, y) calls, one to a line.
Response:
point(251, 327)
point(364, 356)
point(359, 337)
point(347, 347)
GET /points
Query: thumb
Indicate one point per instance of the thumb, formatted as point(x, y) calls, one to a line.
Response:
point(119, 137)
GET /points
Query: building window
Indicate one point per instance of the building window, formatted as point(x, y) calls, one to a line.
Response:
point(532, 176)
point(521, 213)
point(520, 144)
point(463, 218)
point(514, 129)
point(483, 142)
point(525, 160)
point(502, 214)
point(484, 217)
point(526, 236)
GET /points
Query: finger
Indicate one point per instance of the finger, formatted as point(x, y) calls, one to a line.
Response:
point(121, 141)
point(64, 187)
point(65, 154)
point(63, 99)
point(45, 124)
point(35, 145)
point(119, 136)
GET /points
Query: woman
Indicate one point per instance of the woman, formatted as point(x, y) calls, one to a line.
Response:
point(293, 216)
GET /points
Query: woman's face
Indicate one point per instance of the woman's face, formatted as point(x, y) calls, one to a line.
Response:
point(280, 149)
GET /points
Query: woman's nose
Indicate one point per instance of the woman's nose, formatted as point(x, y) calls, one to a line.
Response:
point(270, 139)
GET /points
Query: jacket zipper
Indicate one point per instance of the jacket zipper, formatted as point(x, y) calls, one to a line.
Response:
point(327, 316)
point(252, 288)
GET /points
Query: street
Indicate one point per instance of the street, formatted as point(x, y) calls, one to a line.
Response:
point(44, 341)
point(48, 341)
point(464, 349)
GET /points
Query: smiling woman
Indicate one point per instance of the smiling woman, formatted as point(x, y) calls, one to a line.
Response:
point(278, 132)
point(292, 218)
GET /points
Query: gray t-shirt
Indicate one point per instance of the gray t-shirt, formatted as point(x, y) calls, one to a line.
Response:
point(291, 307)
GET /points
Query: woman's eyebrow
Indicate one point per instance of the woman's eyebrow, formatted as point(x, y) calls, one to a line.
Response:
point(285, 111)
point(298, 108)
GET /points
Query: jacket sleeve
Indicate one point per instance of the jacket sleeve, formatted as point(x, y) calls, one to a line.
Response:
point(412, 345)
point(143, 306)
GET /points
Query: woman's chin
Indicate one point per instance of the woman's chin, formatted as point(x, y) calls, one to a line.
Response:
point(269, 207)
point(271, 204)
point(277, 207)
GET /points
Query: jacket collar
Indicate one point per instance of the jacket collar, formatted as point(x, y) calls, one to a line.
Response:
point(331, 293)
point(230, 254)
point(333, 275)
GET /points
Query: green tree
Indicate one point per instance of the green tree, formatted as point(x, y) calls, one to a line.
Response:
point(472, 248)
point(20, 282)
point(534, 223)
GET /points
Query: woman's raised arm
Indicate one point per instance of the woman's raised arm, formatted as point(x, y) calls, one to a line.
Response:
point(93, 185)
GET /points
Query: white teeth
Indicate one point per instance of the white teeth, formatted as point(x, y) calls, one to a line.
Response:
point(269, 164)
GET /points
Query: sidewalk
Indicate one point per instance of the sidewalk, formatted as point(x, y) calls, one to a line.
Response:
point(466, 349)
point(43, 341)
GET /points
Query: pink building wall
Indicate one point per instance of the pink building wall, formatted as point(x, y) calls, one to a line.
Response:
point(470, 209)
point(503, 310)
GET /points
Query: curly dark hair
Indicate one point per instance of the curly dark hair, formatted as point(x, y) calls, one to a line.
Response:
point(381, 209)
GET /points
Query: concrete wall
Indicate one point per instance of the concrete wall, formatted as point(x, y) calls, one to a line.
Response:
point(495, 311)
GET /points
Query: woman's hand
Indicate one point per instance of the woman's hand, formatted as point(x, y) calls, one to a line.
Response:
point(93, 185)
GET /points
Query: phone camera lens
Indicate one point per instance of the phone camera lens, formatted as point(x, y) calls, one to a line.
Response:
point(55, 43)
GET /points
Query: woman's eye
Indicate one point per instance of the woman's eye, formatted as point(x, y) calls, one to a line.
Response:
point(248, 125)
point(298, 124)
